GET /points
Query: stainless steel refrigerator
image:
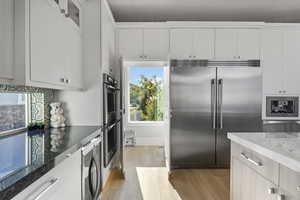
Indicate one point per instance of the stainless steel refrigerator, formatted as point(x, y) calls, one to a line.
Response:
point(207, 102)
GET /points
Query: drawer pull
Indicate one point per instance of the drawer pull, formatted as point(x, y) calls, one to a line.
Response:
point(49, 184)
point(250, 160)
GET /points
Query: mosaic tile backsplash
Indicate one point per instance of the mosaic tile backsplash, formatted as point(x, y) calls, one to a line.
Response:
point(39, 99)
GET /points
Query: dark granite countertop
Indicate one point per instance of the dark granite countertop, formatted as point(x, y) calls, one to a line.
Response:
point(26, 156)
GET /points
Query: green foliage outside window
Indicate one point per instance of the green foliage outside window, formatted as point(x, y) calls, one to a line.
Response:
point(146, 100)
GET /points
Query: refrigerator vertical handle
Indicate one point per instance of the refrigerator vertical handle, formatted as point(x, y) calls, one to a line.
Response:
point(213, 102)
point(220, 101)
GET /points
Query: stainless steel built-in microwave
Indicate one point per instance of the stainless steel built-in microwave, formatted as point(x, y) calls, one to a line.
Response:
point(286, 106)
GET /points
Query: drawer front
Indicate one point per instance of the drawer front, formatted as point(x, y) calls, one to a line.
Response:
point(261, 164)
point(62, 182)
point(289, 181)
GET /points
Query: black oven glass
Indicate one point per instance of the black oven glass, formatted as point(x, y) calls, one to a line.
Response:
point(111, 142)
point(111, 101)
point(284, 106)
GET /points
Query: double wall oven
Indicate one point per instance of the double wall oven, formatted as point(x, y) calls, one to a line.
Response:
point(111, 117)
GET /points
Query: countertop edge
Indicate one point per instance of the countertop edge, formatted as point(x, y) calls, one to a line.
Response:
point(277, 157)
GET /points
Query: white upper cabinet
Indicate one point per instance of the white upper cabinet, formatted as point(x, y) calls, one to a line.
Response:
point(181, 45)
point(291, 62)
point(107, 41)
point(249, 44)
point(192, 43)
point(6, 39)
point(73, 47)
point(131, 43)
point(280, 61)
point(156, 44)
point(47, 48)
point(238, 44)
point(226, 44)
point(144, 43)
point(272, 61)
point(204, 43)
point(48, 44)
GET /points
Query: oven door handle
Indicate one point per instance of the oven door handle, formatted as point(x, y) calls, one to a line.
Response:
point(112, 87)
point(93, 193)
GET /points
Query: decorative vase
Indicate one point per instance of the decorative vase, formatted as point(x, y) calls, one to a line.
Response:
point(57, 119)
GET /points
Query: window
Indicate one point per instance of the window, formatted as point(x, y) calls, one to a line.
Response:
point(146, 93)
point(13, 111)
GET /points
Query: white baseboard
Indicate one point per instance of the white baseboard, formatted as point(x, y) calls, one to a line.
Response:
point(150, 141)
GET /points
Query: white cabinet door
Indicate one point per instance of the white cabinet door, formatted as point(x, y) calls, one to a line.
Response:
point(291, 62)
point(181, 45)
point(203, 43)
point(107, 42)
point(156, 44)
point(242, 181)
point(62, 182)
point(47, 45)
point(248, 185)
point(263, 189)
point(272, 61)
point(73, 47)
point(249, 44)
point(226, 44)
point(131, 43)
point(6, 39)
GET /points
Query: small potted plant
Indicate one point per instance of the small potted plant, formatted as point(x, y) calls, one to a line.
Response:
point(36, 127)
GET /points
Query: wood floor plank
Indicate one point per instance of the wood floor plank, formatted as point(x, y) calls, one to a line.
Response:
point(147, 179)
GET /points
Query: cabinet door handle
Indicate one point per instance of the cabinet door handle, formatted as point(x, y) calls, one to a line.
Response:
point(271, 191)
point(67, 81)
point(243, 155)
point(49, 184)
point(63, 80)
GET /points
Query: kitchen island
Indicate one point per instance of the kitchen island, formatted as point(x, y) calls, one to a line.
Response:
point(265, 166)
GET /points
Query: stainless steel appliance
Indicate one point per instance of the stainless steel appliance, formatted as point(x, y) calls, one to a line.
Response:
point(282, 106)
point(91, 170)
point(111, 117)
point(208, 101)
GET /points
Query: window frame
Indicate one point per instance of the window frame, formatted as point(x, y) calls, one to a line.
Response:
point(27, 117)
point(127, 90)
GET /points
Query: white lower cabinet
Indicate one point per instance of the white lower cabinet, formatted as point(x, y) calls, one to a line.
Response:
point(62, 182)
point(253, 177)
point(247, 184)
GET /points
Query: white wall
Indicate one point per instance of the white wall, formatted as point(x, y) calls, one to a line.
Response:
point(149, 134)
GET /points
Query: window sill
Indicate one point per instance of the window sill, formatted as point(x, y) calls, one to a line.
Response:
point(12, 132)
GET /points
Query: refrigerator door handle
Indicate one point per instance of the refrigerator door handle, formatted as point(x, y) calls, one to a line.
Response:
point(220, 102)
point(213, 102)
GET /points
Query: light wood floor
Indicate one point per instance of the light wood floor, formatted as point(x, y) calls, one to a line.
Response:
point(147, 179)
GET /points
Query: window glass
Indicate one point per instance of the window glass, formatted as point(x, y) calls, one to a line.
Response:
point(146, 93)
point(13, 112)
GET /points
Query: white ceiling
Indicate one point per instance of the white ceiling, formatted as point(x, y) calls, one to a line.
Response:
point(206, 10)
